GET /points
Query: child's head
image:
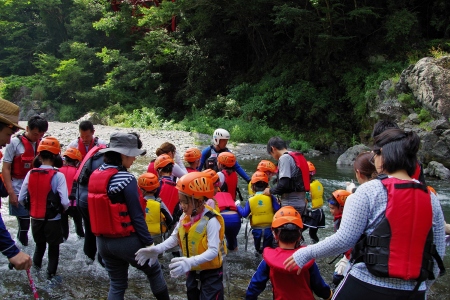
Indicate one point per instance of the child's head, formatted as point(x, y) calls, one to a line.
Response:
point(267, 167)
point(226, 160)
point(148, 183)
point(72, 157)
point(164, 165)
point(259, 181)
point(312, 169)
point(192, 157)
point(214, 178)
point(49, 152)
point(287, 226)
point(193, 190)
point(364, 169)
point(337, 201)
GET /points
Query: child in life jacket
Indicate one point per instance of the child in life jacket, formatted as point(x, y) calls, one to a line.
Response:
point(287, 230)
point(267, 167)
point(157, 215)
point(261, 209)
point(168, 193)
point(192, 158)
point(316, 216)
point(216, 181)
point(200, 233)
point(46, 190)
point(72, 158)
point(336, 204)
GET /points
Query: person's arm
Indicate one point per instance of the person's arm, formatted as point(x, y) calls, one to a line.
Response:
point(241, 172)
point(7, 244)
point(136, 213)
point(177, 171)
point(438, 233)
point(166, 214)
point(24, 189)
point(318, 285)
point(61, 188)
point(258, 282)
point(275, 205)
point(7, 179)
point(282, 187)
point(244, 211)
point(206, 153)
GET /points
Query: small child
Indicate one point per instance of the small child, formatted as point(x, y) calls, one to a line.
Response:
point(287, 230)
point(200, 234)
point(157, 215)
point(72, 158)
point(267, 167)
point(46, 190)
point(316, 218)
point(192, 157)
point(226, 162)
point(261, 209)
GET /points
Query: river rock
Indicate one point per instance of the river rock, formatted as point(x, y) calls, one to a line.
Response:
point(349, 156)
point(438, 170)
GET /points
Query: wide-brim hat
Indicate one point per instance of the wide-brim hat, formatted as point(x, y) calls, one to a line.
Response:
point(124, 143)
point(9, 113)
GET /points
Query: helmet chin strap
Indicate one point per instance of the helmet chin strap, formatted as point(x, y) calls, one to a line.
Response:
point(194, 211)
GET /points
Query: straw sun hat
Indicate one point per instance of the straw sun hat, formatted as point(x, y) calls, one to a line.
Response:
point(9, 113)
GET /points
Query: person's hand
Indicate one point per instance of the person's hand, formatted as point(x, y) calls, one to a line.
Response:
point(447, 240)
point(148, 253)
point(21, 261)
point(13, 199)
point(290, 264)
point(266, 192)
point(350, 187)
point(237, 203)
point(180, 266)
point(341, 265)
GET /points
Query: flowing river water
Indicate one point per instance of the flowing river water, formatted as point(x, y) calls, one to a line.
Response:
point(84, 281)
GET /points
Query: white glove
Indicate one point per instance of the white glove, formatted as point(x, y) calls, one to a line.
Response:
point(147, 253)
point(341, 266)
point(237, 203)
point(180, 266)
point(350, 187)
point(447, 240)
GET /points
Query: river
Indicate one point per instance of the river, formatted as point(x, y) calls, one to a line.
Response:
point(82, 281)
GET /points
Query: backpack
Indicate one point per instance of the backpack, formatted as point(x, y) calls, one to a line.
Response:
point(303, 178)
point(211, 162)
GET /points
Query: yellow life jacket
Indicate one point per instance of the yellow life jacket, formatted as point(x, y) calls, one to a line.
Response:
point(195, 240)
point(250, 190)
point(261, 210)
point(316, 194)
point(156, 222)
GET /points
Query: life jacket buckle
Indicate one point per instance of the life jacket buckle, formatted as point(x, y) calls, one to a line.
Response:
point(370, 258)
point(372, 241)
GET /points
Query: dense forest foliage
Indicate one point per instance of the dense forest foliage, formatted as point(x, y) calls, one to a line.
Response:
point(305, 69)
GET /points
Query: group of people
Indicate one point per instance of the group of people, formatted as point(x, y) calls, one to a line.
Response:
point(192, 208)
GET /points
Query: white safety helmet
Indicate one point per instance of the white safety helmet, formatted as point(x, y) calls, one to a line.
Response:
point(220, 134)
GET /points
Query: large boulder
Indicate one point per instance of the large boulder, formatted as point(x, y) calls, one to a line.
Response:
point(348, 157)
point(437, 170)
point(93, 117)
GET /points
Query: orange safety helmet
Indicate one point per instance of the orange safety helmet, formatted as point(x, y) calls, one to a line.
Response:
point(192, 154)
point(287, 215)
point(312, 169)
point(73, 153)
point(431, 189)
point(259, 176)
point(162, 161)
point(266, 166)
point(341, 196)
point(148, 182)
point(227, 159)
point(196, 184)
point(213, 175)
point(49, 143)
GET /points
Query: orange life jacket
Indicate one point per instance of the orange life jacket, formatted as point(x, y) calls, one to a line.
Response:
point(44, 203)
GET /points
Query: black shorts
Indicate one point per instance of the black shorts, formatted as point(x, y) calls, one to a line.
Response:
point(45, 231)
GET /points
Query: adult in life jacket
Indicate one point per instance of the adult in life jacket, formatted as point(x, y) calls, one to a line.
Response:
point(45, 191)
point(397, 208)
point(287, 230)
point(290, 186)
point(199, 233)
point(117, 217)
point(86, 141)
point(17, 161)
point(72, 158)
point(261, 209)
point(192, 158)
point(9, 124)
point(178, 168)
point(219, 144)
point(267, 167)
point(157, 215)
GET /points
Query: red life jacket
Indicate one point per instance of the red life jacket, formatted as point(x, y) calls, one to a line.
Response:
point(231, 180)
point(225, 201)
point(23, 163)
point(190, 170)
point(401, 246)
point(169, 194)
point(82, 168)
point(69, 172)
point(107, 219)
point(286, 284)
point(82, 147)
point(302, 180)
point(44, 203)
point(151, 168)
